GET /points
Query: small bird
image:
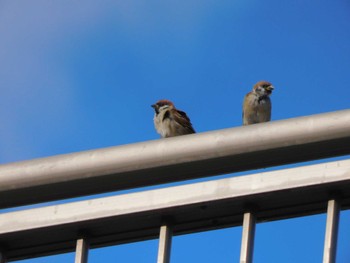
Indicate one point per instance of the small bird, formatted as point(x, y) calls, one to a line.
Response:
point(257, 104)
point(170, 121)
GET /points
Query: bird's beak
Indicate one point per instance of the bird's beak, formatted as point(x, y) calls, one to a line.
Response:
point(270, 88)
point(155, 107)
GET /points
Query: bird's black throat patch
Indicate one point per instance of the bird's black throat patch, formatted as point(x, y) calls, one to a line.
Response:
point(166, 115)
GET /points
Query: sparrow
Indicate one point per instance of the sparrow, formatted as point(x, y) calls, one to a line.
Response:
point(170, 121)
point(257, 104)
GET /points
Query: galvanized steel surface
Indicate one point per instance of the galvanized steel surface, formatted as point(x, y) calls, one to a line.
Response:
point(190, 208)
point(175, 159)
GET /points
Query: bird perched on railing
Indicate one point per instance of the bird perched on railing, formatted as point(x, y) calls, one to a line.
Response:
point(257, 104)
point(170, 121)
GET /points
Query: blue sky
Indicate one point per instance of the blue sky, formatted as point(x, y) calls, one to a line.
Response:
point(79, 75)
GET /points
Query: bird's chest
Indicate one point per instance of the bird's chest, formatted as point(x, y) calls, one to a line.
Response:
point(164, 124)
point(161, 119)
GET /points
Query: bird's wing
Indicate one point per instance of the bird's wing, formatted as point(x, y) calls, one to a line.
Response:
point(182, 118)
point(247, 110)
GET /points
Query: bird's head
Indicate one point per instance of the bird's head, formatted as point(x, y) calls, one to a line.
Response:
point(162, 105)
point(263, 88)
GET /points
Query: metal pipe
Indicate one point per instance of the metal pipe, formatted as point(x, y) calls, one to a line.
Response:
point(165, 237)
point(330, 243)
point(81, 251)
point(2, 257)
point(190, 208)
point(248, 233)
point(174, 159)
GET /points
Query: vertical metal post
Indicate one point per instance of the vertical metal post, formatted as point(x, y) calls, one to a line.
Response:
point(164, 248)
point(2, 257)
point(330, 242)
point(82, 250)
point(248, 232)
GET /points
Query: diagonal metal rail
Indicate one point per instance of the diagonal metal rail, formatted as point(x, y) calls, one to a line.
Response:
point(174, 159)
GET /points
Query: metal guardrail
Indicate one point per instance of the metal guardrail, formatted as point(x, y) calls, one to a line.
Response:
point(183, 209)
point(175, 159)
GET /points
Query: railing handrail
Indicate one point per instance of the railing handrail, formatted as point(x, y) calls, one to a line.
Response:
point(187, 208)
point(175, 159)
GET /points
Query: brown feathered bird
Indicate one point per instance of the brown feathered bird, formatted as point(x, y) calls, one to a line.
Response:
point(170, 121)
point(257, 104)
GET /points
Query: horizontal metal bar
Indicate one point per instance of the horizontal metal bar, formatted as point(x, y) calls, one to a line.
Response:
point(190, 208)
point(174, 159)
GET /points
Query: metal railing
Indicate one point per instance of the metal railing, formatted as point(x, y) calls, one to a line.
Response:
point(242, 200)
